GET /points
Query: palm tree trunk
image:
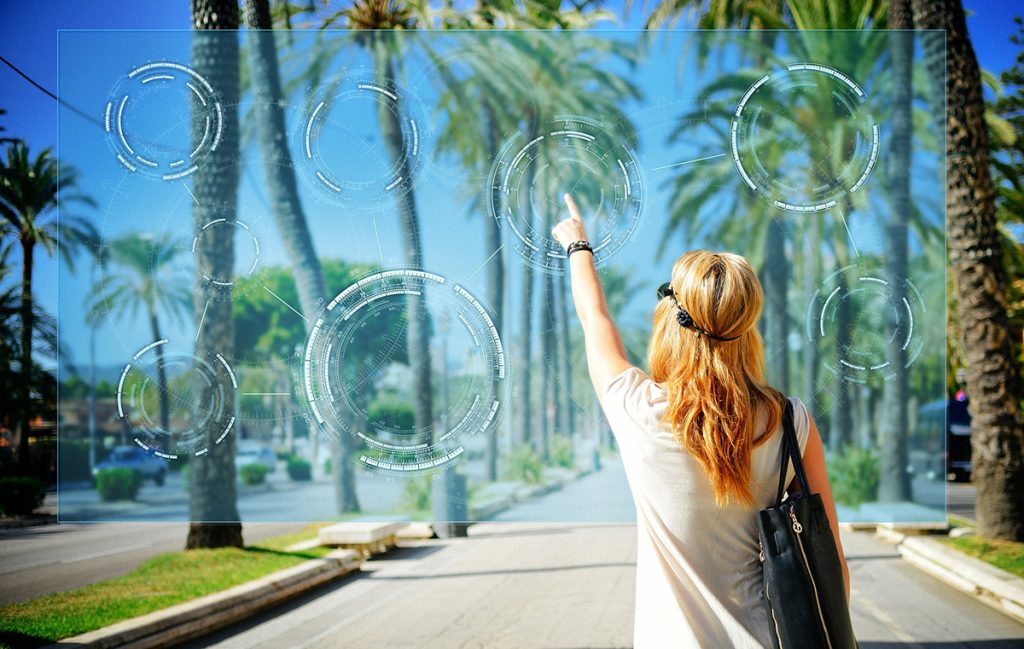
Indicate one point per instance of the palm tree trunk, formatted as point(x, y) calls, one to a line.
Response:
point(161, 372)
point(417, 339)
point(975, 257)
point(285, 202)
point(840, 417)
point(812, 271)
point(28, 245)
point(776, 321)
point(212, 495)
point(894, 484)
point(567, 421)
point(495, 276)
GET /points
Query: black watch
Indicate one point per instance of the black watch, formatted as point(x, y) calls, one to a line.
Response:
point(576, 246)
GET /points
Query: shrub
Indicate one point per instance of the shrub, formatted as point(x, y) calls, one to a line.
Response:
point(416, 492)
point(253, 474)
point(118, 484)
point(523, 463)
point(299, 470)
point(854, 475)
point(20, 495)
point(391, 414)
point(561, 451)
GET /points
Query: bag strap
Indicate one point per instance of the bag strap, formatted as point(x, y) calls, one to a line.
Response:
point(790, 450)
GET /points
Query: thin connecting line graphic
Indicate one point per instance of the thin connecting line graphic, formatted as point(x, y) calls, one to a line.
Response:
point(284, 303)
point(686, 162)
point(202, 320)
point(852, 242)
point(190, 193)
point(485, 262)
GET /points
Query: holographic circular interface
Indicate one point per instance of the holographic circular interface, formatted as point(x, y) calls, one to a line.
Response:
point(148, 120)
point(195, 395)
point(362, 140)
point(571, 155)
point(854, 316)
point(803, 137)
point(362, 380)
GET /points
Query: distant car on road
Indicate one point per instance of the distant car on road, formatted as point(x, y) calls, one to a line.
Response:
point(255, 454)
point(955, 417)
point(133, 457)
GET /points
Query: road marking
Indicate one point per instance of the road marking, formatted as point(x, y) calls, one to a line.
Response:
point(107, 553)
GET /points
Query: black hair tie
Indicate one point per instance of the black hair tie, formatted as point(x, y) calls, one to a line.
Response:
point(685, 320)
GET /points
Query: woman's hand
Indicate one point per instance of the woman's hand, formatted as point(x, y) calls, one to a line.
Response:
point(571, 229)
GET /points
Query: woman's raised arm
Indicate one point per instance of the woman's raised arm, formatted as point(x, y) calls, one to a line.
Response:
point(606, 355)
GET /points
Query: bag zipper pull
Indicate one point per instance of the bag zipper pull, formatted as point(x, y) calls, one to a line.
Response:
point(797, 527)
point(760, 545)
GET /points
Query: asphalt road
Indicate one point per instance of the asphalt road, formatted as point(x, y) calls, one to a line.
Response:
point(39, 560)
point(566, 585)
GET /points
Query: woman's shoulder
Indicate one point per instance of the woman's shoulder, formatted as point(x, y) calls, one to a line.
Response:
point(634, 393)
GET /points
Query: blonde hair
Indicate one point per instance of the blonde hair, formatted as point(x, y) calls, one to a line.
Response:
point(715, 387)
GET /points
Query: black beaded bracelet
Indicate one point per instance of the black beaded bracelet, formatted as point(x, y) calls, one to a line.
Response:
point(576, 246)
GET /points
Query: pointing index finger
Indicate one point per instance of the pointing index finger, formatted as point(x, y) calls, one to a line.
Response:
point(574, 211)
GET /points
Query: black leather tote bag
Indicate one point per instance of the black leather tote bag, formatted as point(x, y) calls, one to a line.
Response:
point(803, 577)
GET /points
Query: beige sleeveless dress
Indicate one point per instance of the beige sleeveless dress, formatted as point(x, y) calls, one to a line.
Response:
point(698, 577)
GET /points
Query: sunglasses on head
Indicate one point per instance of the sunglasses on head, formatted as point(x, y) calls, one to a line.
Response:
point(683, 316)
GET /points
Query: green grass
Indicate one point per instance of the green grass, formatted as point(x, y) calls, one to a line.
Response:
point(162, 581)
point(1006, 555)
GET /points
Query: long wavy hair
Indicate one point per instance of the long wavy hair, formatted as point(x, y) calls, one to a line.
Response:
point(715, 388)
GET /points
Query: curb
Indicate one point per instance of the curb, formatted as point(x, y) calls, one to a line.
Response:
point(484, 512)
point(14, 523)
point(200, 616)
point(997, 588)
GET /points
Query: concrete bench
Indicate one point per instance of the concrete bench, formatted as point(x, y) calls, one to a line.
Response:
point(365, 537)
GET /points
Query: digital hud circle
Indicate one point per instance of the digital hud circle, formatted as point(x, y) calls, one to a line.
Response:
point(803, 137)
point(204, 272)
point(148, 120)
point(571, 155)
point(176, 403)
point(362, 140)
point(365, 380)
point(855, 315)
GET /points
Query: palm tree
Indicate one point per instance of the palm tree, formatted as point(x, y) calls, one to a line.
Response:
point(30, 192)
point(379, 19)
point(213, 502)
point(976, 257)
point(292, 225)
point(145, 278)
point(894, 481)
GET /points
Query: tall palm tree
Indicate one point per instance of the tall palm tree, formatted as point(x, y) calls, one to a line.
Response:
point(213, 501)
point(976, 257)
point(30, 192)
point(380, 19)
point(265, 78)
point(894, 481)
point(144, 278)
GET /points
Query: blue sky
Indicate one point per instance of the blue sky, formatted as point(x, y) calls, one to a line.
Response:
point(28, 38)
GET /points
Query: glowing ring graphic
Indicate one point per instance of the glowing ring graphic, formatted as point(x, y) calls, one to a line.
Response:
point(370, 175)
point(575, 155)
point(149, 155)
point(779, 108)
point(138, 400)
point(855, 314)
point(353, 355)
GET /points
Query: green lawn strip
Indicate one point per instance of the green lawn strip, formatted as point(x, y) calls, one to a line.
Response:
point(1006, 555)
point(160, 582)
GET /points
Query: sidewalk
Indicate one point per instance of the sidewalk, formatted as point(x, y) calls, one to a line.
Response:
point(570, 585)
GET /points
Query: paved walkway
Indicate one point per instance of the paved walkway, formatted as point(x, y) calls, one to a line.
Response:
point(568, 585)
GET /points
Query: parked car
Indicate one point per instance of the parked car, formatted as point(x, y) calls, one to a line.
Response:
point(952, 415)
point(133, 457)
point(255, 454)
